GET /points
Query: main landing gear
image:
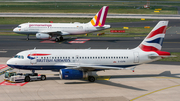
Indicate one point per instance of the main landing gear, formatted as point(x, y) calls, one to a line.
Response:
point(91, 78)
point(27, 37)
point(59, 39)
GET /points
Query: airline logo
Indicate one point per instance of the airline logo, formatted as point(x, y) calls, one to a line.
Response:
point(100, 18)
point(31, 58)
point(154, 41)
point(32, 25)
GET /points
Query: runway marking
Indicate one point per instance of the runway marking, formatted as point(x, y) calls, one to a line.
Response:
point(5, 71)
point(167, 77)
point(13, 84)
point(3, 66)
point(3, 51)
point(47, 41)
point(103, 77)
point(154, 92)
point(77, 41)
point(82, 39)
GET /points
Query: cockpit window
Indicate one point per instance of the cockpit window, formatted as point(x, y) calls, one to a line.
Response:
point(15, 56)
point(19, 26)
point(19, 56)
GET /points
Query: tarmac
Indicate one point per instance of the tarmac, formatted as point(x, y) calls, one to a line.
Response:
point(149, 82)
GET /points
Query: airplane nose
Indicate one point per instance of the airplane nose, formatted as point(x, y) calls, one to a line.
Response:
point(9, 62)
point(15, 30)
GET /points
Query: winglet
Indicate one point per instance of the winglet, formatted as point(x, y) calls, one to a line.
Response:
point(100, 18)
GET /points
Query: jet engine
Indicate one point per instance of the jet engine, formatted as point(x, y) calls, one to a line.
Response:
point(43, 36)
point(72, 74)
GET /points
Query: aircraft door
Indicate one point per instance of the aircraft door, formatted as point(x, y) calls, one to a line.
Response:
point(77, 59)
point(87, 28)
point(32, 58)
point(136, 57)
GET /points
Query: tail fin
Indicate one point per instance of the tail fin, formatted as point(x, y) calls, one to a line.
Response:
point(154, 40)
point(100, 18)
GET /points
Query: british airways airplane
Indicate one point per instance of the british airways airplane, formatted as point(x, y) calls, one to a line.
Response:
point(49, 30)
point(79, 63)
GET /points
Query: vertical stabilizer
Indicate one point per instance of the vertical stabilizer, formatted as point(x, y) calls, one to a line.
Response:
point(154, 40)
point(100, 18)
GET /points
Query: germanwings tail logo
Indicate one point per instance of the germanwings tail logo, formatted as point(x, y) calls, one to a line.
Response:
point(32, 56)
point(100, 18)
point(154, 40)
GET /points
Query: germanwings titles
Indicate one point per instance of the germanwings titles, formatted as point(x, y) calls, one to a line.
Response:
point(49, 30)
point(79, 63)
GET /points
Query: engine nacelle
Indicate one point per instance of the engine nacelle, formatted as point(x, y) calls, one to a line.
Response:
point(43, 36)
point(72, 74)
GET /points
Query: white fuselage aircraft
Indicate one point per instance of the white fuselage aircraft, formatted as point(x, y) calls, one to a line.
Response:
point(49, 30)
point(78, 63)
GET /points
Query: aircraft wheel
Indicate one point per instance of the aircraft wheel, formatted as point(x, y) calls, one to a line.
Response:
point(91, 78)
point(43, 77)
point(27, 79)
point(61, 38)
point(56, 39)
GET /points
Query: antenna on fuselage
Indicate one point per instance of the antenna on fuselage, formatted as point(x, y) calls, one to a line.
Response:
point(107, 48)
point(34, 48)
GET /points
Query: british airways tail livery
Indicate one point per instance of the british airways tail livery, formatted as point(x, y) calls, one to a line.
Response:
point(49, 30)
point(79, 63)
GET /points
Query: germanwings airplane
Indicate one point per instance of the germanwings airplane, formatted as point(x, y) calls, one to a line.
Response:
point(49, 30)
point(80, 63)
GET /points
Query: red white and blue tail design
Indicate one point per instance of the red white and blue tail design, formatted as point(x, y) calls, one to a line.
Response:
point(100, 18)
point(154, 40)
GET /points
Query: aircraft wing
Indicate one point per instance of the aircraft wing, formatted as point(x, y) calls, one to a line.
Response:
point(89, 67)
point(54, 32)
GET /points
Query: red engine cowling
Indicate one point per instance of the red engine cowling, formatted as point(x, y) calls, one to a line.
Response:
point(43, 36)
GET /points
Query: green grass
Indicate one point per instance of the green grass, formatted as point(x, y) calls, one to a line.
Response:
point(133, 30)
point(177, 58)
point(83, 7)
point(19, 20)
